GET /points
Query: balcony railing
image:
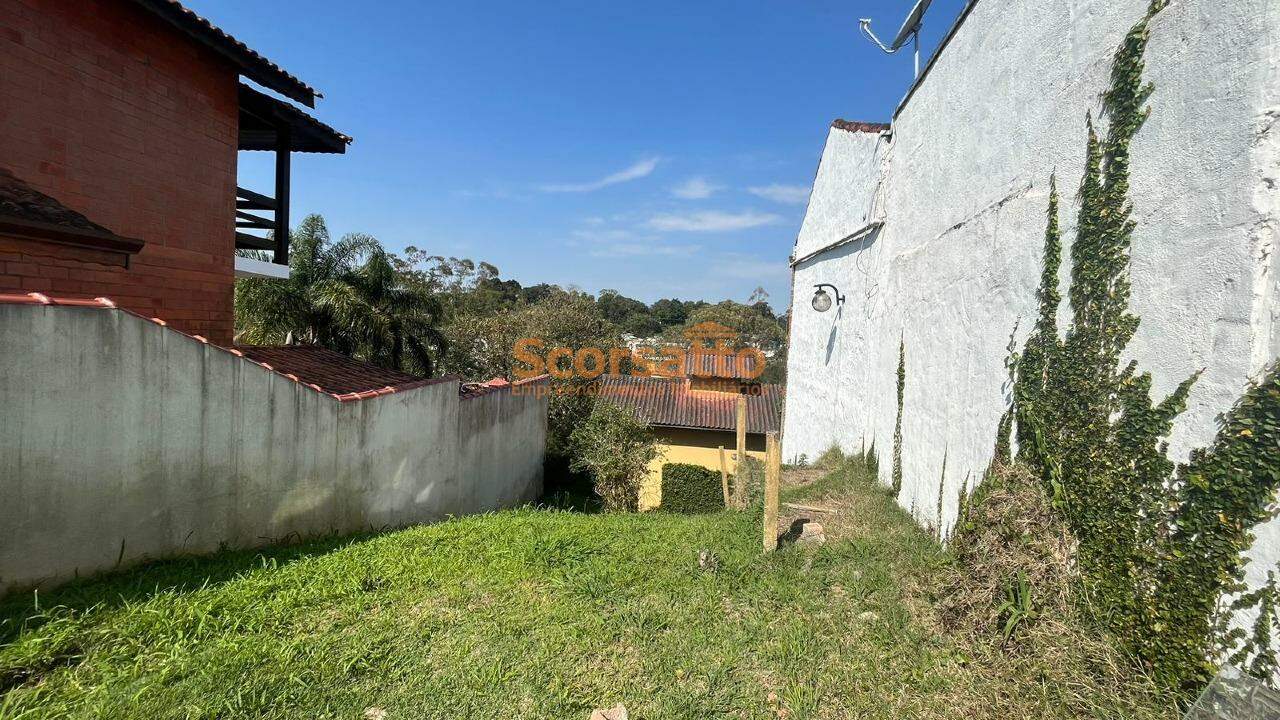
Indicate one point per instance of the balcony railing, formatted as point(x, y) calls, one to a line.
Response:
point(256, 232)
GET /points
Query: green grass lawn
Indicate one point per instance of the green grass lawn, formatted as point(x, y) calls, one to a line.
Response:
point(523, 614)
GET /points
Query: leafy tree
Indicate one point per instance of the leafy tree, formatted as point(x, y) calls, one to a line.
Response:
point(483, 346)
point(347, 296)
point(754, 330)
point(615, 448)
point(537, 293)
point(462, 285)
point(627, 313)
point(642, 325)
point(759, 301)
point(670, 312)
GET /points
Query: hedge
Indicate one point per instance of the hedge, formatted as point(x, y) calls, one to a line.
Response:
point(691, 489)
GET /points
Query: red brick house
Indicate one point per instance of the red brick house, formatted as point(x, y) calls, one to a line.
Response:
point(120, 123)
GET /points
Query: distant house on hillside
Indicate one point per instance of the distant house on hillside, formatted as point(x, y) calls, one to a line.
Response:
point(693, 413)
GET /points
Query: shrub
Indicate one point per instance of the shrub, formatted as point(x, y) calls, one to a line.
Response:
point(830, 459)
point(691, 489)
point(615, 448)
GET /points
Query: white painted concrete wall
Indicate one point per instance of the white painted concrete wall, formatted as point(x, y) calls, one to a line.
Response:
point(962, 190)
point(121, 441)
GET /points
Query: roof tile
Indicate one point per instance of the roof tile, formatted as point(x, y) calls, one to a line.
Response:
point(857, 126)
point(252, 65)
point(671, 402)
point(333, 372)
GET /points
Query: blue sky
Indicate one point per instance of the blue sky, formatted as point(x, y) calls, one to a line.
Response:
point(662, 149)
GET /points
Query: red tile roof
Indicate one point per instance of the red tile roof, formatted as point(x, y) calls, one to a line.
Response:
point(708, 364)
point(669, 402)
point(27, 212)
point(856, 126)
point(252, 65)
point(333, 368)
point(333, 372)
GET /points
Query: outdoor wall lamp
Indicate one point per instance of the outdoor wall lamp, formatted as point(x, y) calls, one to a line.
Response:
point(822, 301)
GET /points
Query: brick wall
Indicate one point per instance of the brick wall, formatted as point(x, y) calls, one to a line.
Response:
point(121, 118)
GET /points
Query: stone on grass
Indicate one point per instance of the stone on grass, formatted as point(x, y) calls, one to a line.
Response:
point(618, 712)
point(708, 561)
point(375, 713)
point(811, 533)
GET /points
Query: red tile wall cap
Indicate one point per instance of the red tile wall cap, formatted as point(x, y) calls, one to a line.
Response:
point(348, 397)
point(545, 377)
point(36, 298)
point(468, 391)
point(857, 126)
point(103, 303)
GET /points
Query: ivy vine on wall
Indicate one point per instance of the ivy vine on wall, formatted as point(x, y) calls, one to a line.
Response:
point(897, 425)
point(1159, 543)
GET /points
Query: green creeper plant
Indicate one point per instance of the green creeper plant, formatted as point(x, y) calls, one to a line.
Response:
point(1043, 345)
point(897, 426)
point(1218, 497)
point(942, 493)
point(962, 507)
point(1158, 543)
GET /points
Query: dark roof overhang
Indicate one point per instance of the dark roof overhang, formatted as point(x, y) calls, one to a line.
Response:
point(262, 117)
point(250, 64)
point(27, 213)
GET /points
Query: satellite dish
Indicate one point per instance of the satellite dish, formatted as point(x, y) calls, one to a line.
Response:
point(911, 25)
point(910, 31)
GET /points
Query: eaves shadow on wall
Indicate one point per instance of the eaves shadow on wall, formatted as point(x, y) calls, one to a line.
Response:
point(844, 282)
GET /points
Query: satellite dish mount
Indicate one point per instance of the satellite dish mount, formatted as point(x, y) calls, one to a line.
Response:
point(910, 31)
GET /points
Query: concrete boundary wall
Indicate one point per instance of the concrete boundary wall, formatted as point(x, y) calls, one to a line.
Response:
point(122, 440)
point(956, 195)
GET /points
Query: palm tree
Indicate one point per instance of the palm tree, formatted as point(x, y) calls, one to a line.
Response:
point(346, 296)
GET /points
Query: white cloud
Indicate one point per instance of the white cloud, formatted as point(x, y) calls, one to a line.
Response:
point(789, 194)
point(712, 221)
point(490, 194)
point(636, 171)
point(617, 242)
point(642, 249)
point(695, 188)
point(600, 235)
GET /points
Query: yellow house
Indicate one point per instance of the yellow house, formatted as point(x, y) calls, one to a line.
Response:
point(694, 416)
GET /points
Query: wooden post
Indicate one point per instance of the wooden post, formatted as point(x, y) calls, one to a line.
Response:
point(284, 149)
point(724, 477)
point(741, 475)
point(772, 481)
